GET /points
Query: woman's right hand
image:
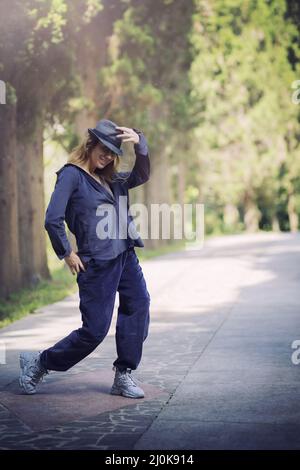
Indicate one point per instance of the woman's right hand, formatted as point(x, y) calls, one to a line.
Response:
point(74, 263)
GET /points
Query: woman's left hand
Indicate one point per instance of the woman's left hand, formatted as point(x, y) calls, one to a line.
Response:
point(129, 135)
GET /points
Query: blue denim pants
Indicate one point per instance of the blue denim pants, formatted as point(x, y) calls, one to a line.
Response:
point(98, 286)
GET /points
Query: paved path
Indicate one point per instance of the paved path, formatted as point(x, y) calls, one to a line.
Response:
point(216, 367)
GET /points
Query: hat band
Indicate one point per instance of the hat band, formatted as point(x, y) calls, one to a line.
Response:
point(106, 137)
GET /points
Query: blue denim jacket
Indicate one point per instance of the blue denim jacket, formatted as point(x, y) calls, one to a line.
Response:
point(80, 200)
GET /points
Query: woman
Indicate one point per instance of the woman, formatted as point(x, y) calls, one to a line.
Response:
point(88, 187)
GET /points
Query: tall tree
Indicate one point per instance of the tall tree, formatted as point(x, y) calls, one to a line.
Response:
point(37, 60)
point(146, 81)
point(241, 79)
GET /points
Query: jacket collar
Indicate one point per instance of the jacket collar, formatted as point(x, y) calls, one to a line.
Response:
point(96, 185)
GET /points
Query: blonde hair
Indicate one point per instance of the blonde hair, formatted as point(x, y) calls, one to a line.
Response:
point(81, 154)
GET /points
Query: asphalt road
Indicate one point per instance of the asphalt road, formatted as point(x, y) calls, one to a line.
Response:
point(218, 368)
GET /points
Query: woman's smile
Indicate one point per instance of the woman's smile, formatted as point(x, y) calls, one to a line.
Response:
point(103, 161)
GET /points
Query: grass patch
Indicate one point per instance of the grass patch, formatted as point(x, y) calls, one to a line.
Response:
point(27, 300)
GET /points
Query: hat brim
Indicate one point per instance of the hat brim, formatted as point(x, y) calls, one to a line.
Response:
point(112, 147)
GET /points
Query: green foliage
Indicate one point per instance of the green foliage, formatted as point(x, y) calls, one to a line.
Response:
point(241, 85)
point(93, 7)
point(54, 20)
point(144, 79)
point(211, 78)
point(209, 82)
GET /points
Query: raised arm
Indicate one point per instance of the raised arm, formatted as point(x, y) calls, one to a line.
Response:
point(140, 173)
point(67, 181)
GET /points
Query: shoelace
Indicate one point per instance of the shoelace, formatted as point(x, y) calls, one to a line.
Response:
point(37, 372)
point(127, 375)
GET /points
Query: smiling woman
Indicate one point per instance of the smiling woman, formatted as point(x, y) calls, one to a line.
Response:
point(101, 156)
point(105, 264)
point(96, 158)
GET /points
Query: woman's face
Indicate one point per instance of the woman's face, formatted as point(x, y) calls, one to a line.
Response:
point(101, 156)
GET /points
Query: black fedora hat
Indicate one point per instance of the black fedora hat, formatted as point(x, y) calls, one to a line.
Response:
point(106, 132)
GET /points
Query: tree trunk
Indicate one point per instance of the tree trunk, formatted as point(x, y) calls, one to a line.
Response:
point(32, 235)
point(231, 217)
point(10, 278)
point(180, 199)
point(275, 224)
point(158, 191)
point(91, 57)
point(293, 216)
point(181, 181)
point(251, 215)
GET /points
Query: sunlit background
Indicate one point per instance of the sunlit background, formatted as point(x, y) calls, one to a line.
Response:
point(213, 84)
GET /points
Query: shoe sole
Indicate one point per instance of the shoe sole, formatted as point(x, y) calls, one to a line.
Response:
point(21, 383)
point(116, 391)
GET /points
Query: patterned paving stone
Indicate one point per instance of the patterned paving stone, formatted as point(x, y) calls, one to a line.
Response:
point(236, 290)
point(75, 397)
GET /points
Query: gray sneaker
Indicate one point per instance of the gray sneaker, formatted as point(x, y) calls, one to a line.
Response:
point(32, 371)
point(125, 385)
